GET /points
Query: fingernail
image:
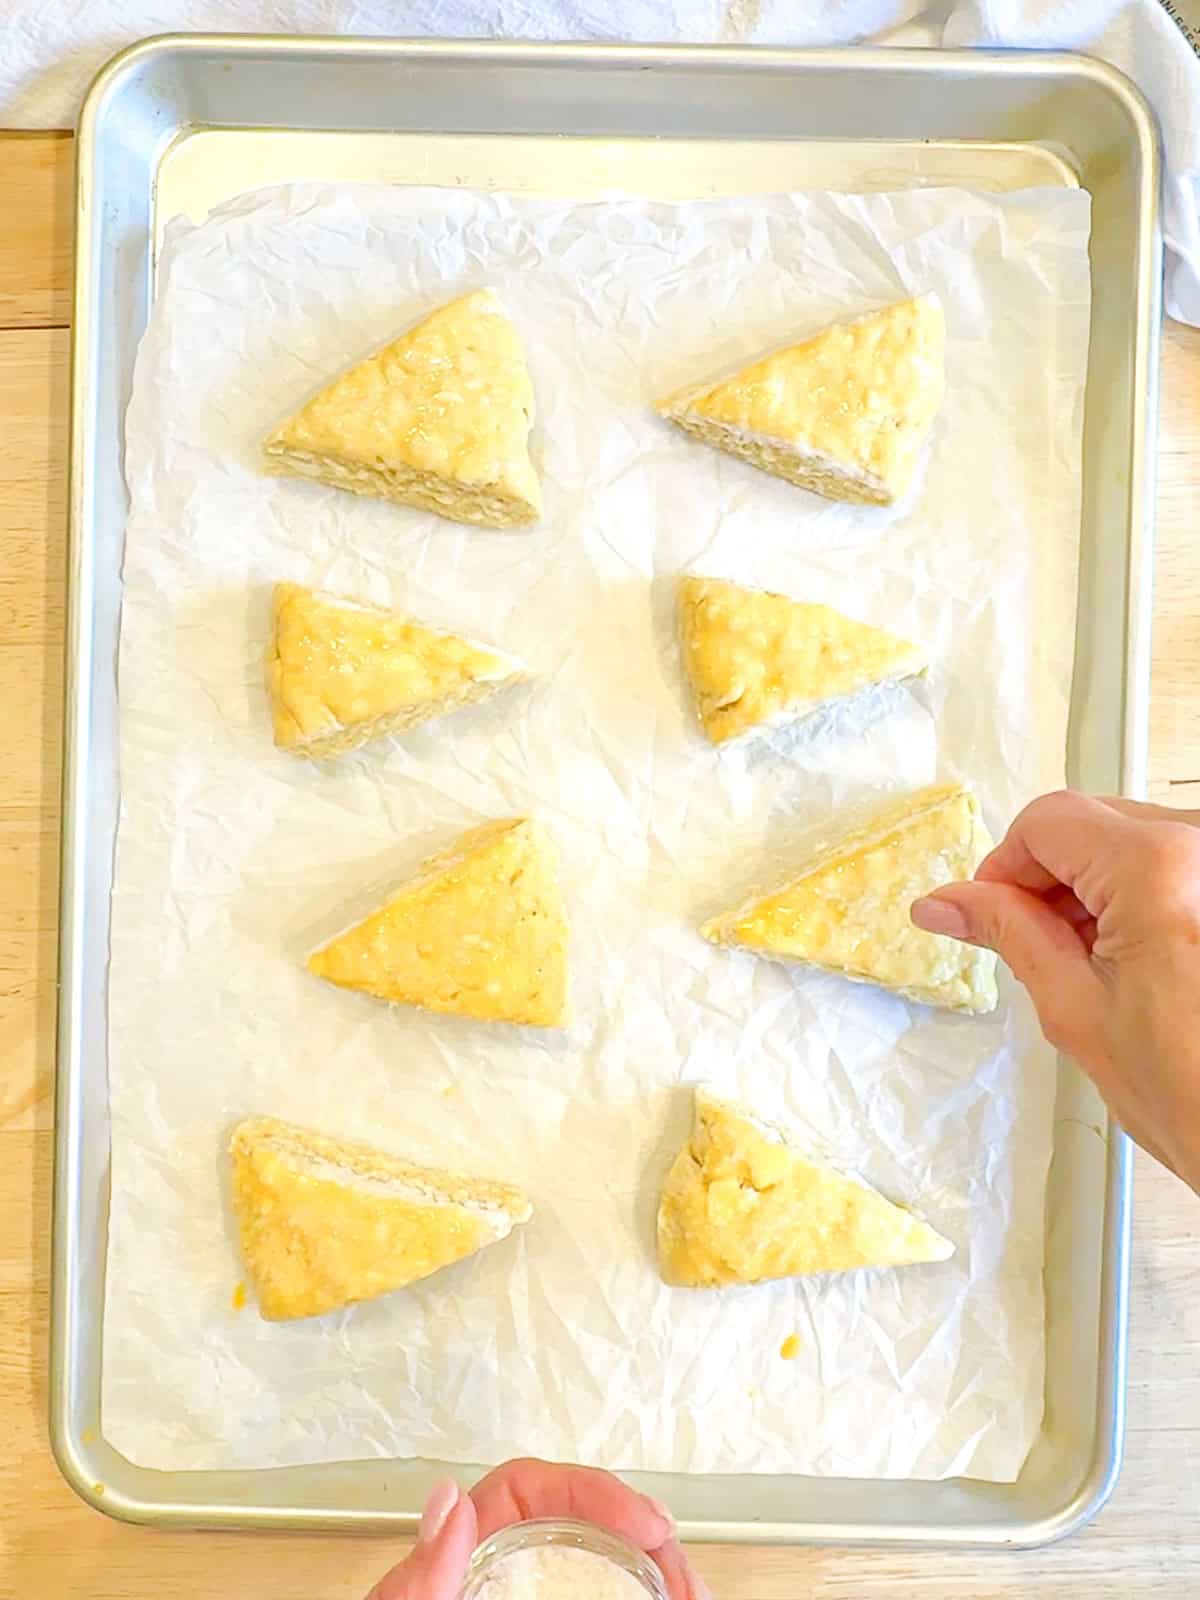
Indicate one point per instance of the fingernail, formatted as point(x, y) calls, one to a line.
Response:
point(443, 1498)
point(700, 1590)
point(660, 1510)
point(939, 916)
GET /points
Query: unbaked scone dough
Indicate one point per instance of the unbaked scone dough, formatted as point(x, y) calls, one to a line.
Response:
point(438, 419)
point(846, 909)
point(324, 1222)
point(844, 413)
point(741, 1205)
point(340, 674)
point(479, 931)
point(756, 659)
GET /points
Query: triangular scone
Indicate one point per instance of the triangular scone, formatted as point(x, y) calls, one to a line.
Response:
point(479, 931)
point(741, 1205)
point(847, 908)
point(844, 413)
point(323, 1222)
point(756, 659)
point(438, 419)
point(340, 674)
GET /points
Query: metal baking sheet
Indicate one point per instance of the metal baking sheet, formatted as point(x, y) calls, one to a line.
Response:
point(180, 124)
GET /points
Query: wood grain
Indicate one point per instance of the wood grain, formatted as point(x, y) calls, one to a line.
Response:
point(1146, 1543)
point(33, 440)
point(1174, 775)
point(35, 229)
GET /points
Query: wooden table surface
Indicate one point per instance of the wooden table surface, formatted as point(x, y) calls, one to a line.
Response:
point(1146, 1542)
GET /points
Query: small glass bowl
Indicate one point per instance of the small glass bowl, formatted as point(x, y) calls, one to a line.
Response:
point(575, 1535)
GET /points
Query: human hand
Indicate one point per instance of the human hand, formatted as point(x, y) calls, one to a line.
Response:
point(437, 1567)
point(454, 1523)
point(1095, 905)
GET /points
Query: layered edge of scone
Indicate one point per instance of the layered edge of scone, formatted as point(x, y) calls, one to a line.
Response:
point(402, 485)
point(800, 465)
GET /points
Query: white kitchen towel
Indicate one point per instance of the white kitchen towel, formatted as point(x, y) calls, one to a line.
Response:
point(50, 49)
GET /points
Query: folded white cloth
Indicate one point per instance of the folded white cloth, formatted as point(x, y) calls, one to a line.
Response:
point(49, 50)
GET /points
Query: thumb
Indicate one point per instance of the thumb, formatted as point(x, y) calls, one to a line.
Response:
point(437, 1567)
point(1042, 949)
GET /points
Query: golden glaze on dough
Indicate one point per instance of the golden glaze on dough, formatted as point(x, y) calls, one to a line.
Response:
point(479, 931)
point(846, 909)
point(324, 1222)
point(754, 658)
point(741, 1205)
point(341, 674)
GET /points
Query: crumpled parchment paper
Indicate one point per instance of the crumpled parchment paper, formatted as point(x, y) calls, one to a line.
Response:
point(234, 858)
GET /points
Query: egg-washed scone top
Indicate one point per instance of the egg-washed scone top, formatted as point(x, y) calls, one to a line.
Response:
point(844, 413)
point(846, 909)
point(479, 931)
point(756, 659)
point(340, 674)
point(741, 1205)
point(438, 419)
point(325, 1222)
